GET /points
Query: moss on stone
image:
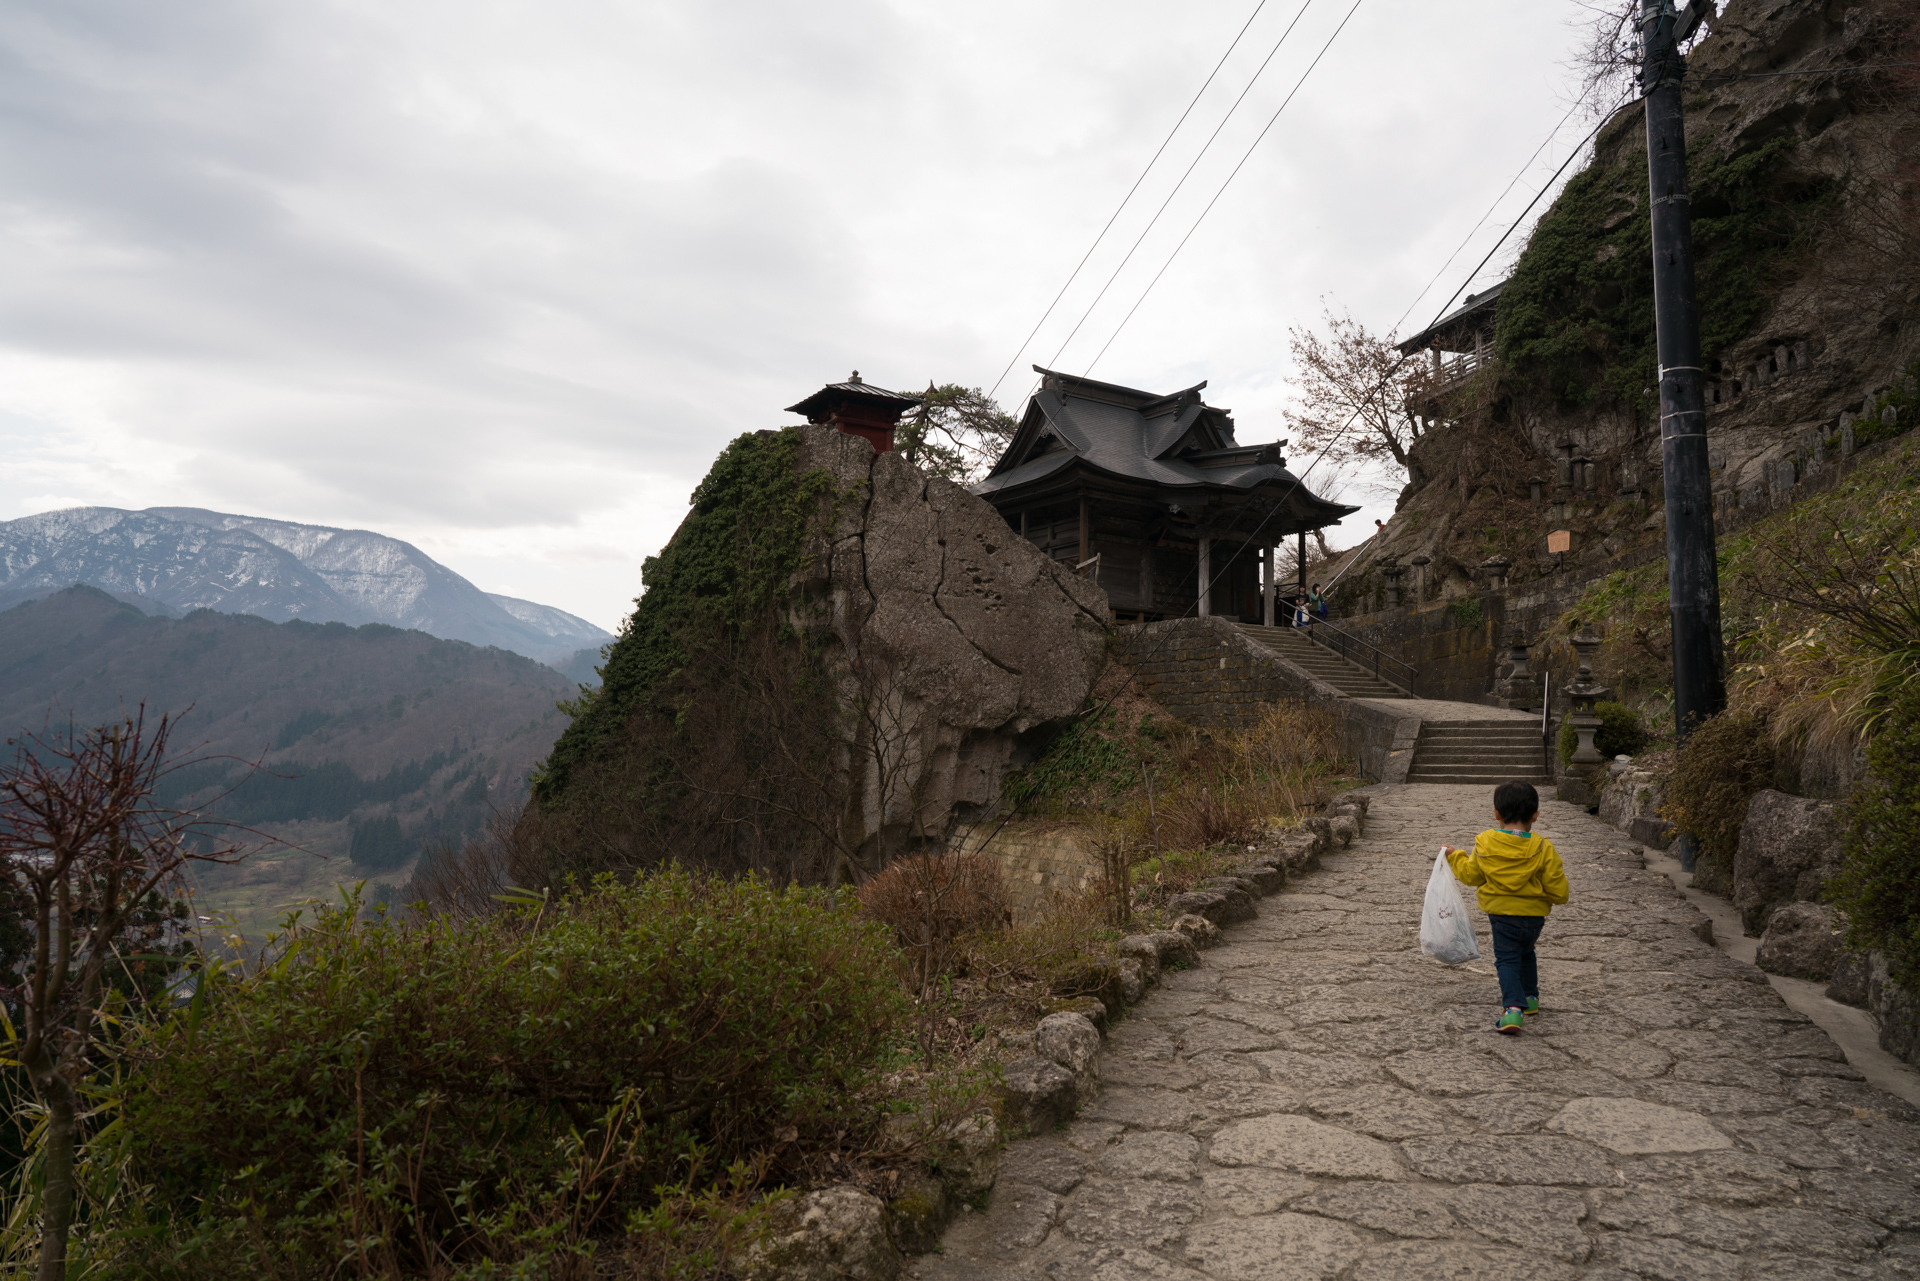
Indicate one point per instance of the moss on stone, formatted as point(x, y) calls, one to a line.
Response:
point(732, 558)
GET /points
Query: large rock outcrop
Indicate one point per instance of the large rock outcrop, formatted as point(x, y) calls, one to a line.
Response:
point(962, 642)
point(837, 659)
point(1789, 849)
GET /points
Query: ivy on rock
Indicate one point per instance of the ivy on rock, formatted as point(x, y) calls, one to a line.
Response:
point(1576, 317)
point(730, 561)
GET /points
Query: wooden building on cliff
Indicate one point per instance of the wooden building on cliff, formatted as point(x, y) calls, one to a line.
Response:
point(1153, 494)
point(1457, 346)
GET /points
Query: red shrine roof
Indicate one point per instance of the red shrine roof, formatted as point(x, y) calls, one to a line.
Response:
point(853, 392)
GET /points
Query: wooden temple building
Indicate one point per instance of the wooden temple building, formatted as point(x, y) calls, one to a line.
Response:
point(1153, 495)
point(1148, 493)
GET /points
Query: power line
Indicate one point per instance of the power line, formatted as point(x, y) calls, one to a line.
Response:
point(1084, 316)
point(1575, 154)
point(1299, 478)
point(1222, 191)
point(1124, 199)
point(1544, 143)
point(1381, 385)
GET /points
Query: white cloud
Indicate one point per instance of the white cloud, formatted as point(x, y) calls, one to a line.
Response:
point(502, 279)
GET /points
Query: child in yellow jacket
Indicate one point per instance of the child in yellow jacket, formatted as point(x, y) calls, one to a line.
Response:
point(1520, 880)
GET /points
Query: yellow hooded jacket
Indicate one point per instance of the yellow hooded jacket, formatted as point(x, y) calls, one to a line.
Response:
point(1517, 875)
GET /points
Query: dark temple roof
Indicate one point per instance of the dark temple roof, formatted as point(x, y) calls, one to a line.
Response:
point(1174, 449)
point(1476, 312)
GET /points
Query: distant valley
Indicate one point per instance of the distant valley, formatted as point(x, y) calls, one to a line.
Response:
point(376, 741)
point(173, 560)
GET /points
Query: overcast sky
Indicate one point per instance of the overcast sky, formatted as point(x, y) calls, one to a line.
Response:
point(502, 278)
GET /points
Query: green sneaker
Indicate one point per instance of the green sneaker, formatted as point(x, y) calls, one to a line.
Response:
point(1511, 1022)
point(1533, 1005)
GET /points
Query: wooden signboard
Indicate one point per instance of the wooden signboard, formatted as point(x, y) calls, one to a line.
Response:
point(1560, 540)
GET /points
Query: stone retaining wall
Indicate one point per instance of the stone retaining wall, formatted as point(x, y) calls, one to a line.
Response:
point(1459, 644)
point(1208, 673)
point(1033, 861)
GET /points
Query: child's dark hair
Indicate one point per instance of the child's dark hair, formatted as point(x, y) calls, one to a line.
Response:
point(1516, 801)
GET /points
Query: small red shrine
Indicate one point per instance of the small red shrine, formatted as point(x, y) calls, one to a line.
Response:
point(858, 409)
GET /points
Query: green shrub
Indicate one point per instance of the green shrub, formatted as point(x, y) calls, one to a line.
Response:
point(1621, 733)
point(1716, 772)
point(499, 1088)
point(1879, 882)
point(1466, 611)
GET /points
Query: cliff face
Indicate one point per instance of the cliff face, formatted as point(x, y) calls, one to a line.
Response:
point(1807, 238)
point(958, 640)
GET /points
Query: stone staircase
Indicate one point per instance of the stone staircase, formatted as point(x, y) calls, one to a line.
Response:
point(1490, 752)
point(1349, 678)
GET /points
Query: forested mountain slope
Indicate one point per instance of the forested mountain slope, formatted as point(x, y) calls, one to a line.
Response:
point(354, 726)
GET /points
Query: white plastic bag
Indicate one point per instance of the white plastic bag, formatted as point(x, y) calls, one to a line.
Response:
point(1446, 932)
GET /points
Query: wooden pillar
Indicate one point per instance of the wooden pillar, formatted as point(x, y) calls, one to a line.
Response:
point(1269, 564)
point(1086, 531)
point(1303, 560)
point(1023, 523)
point(1206, 573)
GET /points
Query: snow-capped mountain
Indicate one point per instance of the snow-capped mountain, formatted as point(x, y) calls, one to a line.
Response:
point(564, 628)
point(186, 558)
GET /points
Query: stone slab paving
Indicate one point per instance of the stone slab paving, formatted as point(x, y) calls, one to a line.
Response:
point(1320, 1100)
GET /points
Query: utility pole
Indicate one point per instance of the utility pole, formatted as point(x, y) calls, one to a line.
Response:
point(1693, 577)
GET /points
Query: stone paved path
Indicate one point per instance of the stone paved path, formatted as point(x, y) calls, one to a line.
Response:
point(1320, 1100)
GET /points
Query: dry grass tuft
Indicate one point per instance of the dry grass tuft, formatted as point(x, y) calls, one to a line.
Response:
point(931, 899)
point(1229, 790)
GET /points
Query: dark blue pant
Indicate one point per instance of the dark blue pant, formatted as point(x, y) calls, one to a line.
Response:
point(1513, 960)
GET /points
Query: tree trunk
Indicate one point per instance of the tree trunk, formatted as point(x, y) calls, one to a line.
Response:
point(56, 1200)
point(1393, 445)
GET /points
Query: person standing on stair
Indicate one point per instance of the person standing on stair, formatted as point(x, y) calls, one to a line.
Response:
point(1520, 880)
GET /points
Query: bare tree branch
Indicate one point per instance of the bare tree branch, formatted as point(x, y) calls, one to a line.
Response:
point(85, 842)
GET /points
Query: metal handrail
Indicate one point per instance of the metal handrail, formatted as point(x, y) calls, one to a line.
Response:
point(1412, 672)
point(1353, 560)
point(1546, 708)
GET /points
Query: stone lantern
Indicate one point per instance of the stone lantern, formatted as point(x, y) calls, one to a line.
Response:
point(1584, 693)
point(1390, 568)
point(1495, 568)
point(1520, 694)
